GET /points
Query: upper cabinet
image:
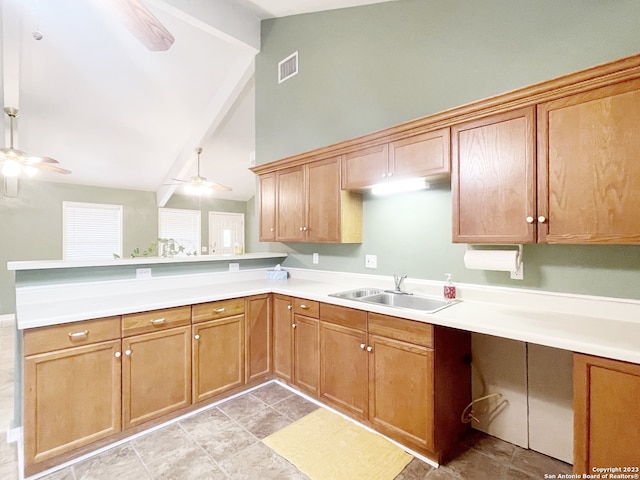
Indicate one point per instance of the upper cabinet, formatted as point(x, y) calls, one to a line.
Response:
point(493, 179)
point(588, 168)
point(311, 206)
point(423, 155)
point(267, 207)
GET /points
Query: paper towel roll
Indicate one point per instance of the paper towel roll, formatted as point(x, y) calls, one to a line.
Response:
point(501, 260)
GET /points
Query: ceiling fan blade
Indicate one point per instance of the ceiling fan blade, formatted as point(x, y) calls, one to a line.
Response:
point(31, 159)
point(144, 25)
point(179, 180)
point(50, 168)
point(217, 186)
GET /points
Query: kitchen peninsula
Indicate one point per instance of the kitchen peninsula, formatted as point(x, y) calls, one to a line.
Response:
point(244, 306)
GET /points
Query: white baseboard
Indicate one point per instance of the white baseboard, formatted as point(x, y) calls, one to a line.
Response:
point(7, 319)
point(14, 434)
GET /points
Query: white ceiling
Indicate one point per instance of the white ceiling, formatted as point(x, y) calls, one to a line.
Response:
point(118, 115)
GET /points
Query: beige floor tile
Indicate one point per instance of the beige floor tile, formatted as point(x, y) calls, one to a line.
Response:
point(295, 407)
point(265, 422)
point(260, 462)
point(415, 470)
point(474, 465)
point(537, 464)
point(118, 463)
point(272, 393)
point(64, 474)
point(161, 443)
point(188, 462)
point(241, 407)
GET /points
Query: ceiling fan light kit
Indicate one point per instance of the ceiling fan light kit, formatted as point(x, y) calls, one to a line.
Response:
point(199, 185)
point(14, 161)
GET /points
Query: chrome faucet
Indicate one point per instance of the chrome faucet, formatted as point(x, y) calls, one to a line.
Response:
point(397, 279)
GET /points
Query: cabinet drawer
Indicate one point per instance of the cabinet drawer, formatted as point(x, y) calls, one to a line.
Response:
point(154, 320)
point(214, 310)
point(57, 337)
point(308, 308)
point(401, 329)
point(347, 317)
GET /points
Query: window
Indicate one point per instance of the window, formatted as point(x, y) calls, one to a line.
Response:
point(91, 230)
point(183, 226)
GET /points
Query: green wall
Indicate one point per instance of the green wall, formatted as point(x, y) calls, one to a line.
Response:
point(31, 224)
point(367, 68)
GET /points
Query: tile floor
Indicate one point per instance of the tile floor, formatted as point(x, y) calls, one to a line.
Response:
point(225, 443)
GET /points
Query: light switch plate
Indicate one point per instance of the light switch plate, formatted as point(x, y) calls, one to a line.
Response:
point(371, 261)
point(234, 267)
point(316, 258)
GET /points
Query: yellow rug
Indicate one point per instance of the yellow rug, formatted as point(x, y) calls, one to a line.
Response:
point(326, 446)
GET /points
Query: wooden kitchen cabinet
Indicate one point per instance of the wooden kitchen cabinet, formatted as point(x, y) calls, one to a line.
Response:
point(588, 169)
point(606, 414)
point(283, 337)
point(306, 345)
point(218, 347)
point(422, 155)
point(156, 367)
point(89, 407)
point(419, 383)
point(311, 207)
point(344, 359)
point(493, 180)
point(258, 338)
point(267, 207)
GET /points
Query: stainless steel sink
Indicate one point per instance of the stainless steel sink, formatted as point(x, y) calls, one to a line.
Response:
point(357, 294)
point(396, 300)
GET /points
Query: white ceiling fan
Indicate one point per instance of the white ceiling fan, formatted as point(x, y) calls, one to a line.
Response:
point(143, 24)
point(14, 161)
point(199, 185)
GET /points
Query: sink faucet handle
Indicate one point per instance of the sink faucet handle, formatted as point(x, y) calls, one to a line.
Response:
point(398, 280)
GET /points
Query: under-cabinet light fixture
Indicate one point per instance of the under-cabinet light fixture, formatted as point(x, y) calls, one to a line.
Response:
point(399, 186)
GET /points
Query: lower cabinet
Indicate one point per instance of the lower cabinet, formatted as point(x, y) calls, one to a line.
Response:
point(306, 353)
point(72, 387)
point(283, 337)
point(156, 374)
point(258, 337)
point(409, 380)
point(606, 414)
point(218, 347)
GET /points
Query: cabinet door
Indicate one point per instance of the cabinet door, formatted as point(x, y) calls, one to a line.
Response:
point(343, 368)
point(606, 414)
point(258, 337)
point(306, 353)
point(365, 167)
point(589, 173)
point(283, 338)
point(156, 374)
point(493, 179)
point(218, 356)
point(423, 155)
point(290, 205)
point(323, 201)
point(71, 398)
point(401, 392)
point(267, 207)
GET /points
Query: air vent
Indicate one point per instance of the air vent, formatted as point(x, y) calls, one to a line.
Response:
point(288, 67)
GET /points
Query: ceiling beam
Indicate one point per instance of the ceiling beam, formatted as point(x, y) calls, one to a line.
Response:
point(237, 78)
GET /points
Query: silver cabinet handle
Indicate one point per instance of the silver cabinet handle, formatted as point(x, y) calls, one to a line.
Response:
point(362, 345)
point(369, 349)
point(303, 306)
point(293, 325)
point(529, 219)
point(118, 354)
point(542, 219)
point(157, 321)
point(289, 307)
point(271, 229)
point(127, 352)
point(197, 337)
point(83, 334)
point(390, 174)
point(218, 310)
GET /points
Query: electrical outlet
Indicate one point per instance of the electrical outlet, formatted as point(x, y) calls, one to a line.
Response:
point(234, 267)
point(203, 249)
point(316, 258)
point(518, 274)
point(371, 261)
point(143, 273)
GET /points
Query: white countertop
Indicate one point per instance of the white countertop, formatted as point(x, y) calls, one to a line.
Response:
point(594, 325)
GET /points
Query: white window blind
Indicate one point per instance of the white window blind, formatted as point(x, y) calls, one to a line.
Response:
point(183, 226)
point(91, 230)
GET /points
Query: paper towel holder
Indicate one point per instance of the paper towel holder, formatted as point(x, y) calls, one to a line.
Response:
point(517, 273)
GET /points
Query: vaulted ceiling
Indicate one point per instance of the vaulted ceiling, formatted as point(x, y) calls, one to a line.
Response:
point(119, 115)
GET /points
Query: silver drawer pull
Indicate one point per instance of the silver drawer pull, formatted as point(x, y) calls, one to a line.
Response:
point(83, 334)
point(289, 307)
point(118, 354)
point(369, 349)
point(196, 336)
point(362, 345)
point(218, 310)
point(157, 321)
point(127, 352)
point(302, 305)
